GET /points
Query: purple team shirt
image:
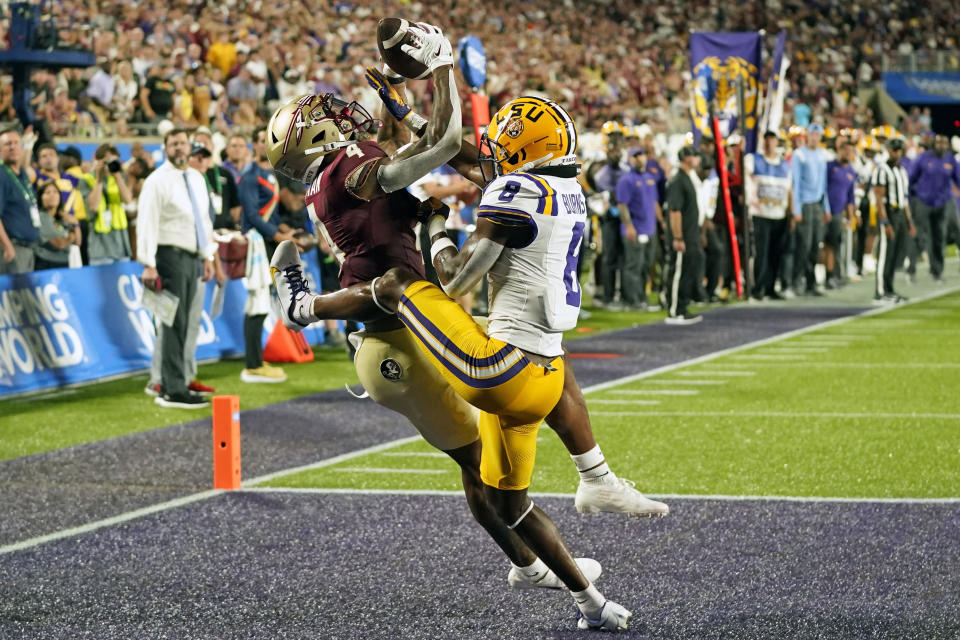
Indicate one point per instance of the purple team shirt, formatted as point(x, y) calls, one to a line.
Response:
point(638, 189)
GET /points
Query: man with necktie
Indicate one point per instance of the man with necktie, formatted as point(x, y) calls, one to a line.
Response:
point(175, 244)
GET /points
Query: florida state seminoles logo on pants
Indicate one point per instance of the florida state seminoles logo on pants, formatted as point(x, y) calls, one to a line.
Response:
point(391, 369)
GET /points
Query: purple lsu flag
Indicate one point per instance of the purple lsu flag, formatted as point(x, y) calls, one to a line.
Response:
point(717, 61)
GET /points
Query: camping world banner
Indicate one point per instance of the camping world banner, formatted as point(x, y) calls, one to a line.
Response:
point(717, 61)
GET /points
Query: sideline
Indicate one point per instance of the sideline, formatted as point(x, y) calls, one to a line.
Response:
point(204, 495)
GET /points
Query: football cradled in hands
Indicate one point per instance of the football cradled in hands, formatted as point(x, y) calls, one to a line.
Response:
point(391, 33)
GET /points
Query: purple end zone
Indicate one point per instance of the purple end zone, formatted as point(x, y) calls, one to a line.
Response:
point(255, 565)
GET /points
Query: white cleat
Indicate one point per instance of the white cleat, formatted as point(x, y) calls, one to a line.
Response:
point(613, 617)
point(616, 497)
point(286, 269)
point(590, 568)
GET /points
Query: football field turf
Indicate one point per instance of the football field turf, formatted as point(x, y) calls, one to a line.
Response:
point(810, 456)
point(866, 408)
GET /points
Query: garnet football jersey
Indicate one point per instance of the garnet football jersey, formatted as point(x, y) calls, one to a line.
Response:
point(368, 238)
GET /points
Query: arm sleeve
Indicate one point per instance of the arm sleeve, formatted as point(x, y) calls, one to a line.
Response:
point(248, 192)
point(148, 223)
point(400, 173)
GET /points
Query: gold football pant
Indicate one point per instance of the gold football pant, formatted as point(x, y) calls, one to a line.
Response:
point(514, 394)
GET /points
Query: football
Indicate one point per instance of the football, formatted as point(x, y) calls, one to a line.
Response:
point(391, 34)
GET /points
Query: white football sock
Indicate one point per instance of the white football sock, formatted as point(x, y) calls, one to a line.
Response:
point(590, 601)
point(303, 310)
point(592, 466)
point(534, 572)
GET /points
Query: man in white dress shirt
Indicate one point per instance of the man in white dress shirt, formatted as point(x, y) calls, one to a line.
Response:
point(175, 244)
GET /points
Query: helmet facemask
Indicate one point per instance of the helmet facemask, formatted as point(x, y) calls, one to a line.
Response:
point(316, 127)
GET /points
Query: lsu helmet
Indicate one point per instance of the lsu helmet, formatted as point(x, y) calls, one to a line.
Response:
point(526, 133)
point(610, 127)
point(302, 132)
point(884, 131)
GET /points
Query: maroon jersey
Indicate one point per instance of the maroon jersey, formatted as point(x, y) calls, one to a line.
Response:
point(368, 238)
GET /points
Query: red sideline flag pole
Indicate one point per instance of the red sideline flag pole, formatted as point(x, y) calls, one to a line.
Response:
point(728, 206)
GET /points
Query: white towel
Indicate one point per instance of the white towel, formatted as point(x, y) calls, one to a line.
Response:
point(257, 281)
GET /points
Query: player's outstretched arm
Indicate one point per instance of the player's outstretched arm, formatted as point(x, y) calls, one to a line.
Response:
point(441, 140)
point(390, 89)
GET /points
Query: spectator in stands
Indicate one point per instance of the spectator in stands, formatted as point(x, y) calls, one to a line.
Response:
point(19, 211)
point(108, 206)
point(238, 156)
point(259, 197)
point(223, 188)
point(156, 96)
point(101, 88)
point(57, 231)
point(174, 242)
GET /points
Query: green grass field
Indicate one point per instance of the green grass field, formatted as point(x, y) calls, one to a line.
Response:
point(66, 417)
point(865, 408)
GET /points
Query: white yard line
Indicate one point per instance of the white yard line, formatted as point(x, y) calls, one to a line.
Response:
point(784, 414)
point(797, 350)
point(657, 392)
point(203, 495)
point(718, 372)
point(704, 383)
point(764, 356)
point(108, 522)
point(421, 454)
point(625, 401)
point(569, 496)
point(389, 470)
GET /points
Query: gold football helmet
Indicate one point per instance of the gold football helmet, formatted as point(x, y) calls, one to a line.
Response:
point(310, 127)
point(526, 133)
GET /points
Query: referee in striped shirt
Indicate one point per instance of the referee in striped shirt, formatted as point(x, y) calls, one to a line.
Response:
point(891, 188)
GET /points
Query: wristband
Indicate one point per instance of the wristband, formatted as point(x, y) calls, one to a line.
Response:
point(440, 245)
point(884, 223)
point(414, 121)
point(436, 224)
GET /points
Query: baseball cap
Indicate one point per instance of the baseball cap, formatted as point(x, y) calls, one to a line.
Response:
point(196, 148)
point(73, 152)
point(770, 134)
point(815, 127)
point(687, 151)
point(635, 151)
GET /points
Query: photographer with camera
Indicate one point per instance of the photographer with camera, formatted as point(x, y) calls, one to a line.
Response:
point(109, 204)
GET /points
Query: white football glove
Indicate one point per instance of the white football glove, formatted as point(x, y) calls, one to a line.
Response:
point(432, 49)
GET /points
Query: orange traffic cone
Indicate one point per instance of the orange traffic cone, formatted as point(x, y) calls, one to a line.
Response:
point(285, 345)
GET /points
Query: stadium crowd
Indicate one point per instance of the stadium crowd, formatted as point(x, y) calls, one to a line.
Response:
point(620, 67)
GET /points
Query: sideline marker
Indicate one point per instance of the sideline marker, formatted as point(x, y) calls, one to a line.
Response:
point(226, 442)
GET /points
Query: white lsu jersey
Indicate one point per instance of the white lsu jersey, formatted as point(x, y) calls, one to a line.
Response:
point(534, 291)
